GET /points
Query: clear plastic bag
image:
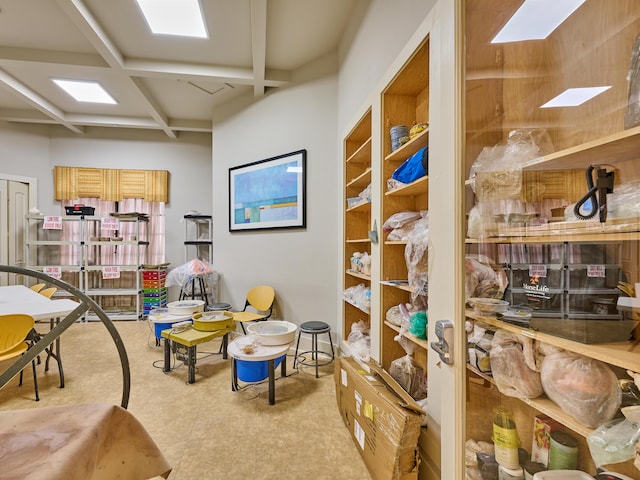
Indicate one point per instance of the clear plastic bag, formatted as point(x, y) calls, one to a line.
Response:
point(408, 373)
point(360, 341)
point(615, 441)
point(511, 368)
point(585, 388)
point(416, 257)
point(482, 280)
point(398, 219)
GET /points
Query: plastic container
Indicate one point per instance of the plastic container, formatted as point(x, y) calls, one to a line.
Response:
point(273, 332)
point(250, 371)
point(562, 475)
point(505, 438)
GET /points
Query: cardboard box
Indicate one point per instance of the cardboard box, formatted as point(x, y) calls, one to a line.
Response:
point(384, 421)
point(542, 428)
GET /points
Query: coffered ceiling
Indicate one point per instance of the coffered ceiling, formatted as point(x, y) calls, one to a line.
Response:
point(164, 82)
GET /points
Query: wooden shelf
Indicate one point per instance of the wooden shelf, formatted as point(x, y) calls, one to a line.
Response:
point(621, 354)
point(584, 238)
point(358, 240)
point(543, 405)
point(356, 306)
point(610, 149)
point(361, 207)
point(412, 146)
point(362, 180)
point(418, 341)
point(417, 187)
point(359, 275)
point(362, 154)
point(400, 286)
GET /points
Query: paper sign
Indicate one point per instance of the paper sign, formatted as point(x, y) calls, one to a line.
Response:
point(358, 433)
point(52, 223)
point(595, 271)
point(110, 272)
point(55, 272)
point(539, 271)
point(110, 223)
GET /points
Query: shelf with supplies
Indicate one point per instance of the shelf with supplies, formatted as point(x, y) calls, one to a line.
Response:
point(561, 202)
point(357, 176)
point(98, 246)
point(198, 240)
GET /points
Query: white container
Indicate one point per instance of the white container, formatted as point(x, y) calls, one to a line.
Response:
point(505, 473)
point(562, 475)
point(273, 332)
point(185, 307)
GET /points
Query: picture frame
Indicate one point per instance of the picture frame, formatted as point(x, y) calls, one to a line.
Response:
point(269, 193)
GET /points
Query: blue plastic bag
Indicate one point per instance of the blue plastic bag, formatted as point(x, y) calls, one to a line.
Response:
point(415, 167)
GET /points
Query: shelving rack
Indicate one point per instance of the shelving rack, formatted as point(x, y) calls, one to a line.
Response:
point(92, 248)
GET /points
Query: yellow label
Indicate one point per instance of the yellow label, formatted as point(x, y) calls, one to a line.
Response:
point(368, 410)
point(505, 437)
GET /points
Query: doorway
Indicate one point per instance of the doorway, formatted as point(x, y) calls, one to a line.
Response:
point(16, 194)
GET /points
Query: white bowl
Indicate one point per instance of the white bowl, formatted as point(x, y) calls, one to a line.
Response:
point(185, 307)
point(273, 332)
point(488, 306)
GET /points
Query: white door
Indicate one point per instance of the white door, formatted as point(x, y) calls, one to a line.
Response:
point(14, 205)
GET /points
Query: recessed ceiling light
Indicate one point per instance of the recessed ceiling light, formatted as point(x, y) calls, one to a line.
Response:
point(572, 97)
point(536, 19)
point(85, 91)
point(174, 17)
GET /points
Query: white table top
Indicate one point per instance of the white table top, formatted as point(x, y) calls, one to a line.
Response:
point(21, 299)
point(261, 352)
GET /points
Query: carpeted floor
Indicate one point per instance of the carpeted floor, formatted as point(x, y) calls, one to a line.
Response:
point(205, 430)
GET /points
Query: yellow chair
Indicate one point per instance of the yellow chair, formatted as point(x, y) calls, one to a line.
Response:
point(37, 287)
point(48, 292)
point(259, 298)
point(14, 332)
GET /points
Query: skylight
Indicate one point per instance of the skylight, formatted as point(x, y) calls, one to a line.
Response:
point(572, 97)
point(174, 17)
point(536, 19)
point(85, 91)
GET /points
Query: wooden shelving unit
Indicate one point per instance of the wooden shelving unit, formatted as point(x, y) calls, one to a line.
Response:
point(357, 219)
point(405, 101)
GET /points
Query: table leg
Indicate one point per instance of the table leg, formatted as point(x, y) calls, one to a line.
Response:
point(272, 382)
point(283, 367)
point(234, 375)
point(191, 361)
point(225, 344)
point(167, 355)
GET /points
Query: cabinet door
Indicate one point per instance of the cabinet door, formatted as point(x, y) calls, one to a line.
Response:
point(551, 135)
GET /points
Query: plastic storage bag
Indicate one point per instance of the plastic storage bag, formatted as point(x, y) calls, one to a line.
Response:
point(583, 387)
point(408, 373)
point(513, 369)
point(615, 441)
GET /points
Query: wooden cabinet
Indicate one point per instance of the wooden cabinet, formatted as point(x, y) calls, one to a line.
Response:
point(507, 89)
point(405, 101)
point(357, 224)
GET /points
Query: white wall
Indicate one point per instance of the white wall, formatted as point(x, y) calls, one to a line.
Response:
point(34, 151)
point(187, 158)
point(370, 47)
point(299, 263)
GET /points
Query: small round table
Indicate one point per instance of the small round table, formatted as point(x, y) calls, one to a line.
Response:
point(261, 353)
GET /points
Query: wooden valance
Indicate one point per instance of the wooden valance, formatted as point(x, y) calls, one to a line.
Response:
point(111, 185)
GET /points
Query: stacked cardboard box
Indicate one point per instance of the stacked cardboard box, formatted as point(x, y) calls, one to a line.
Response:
point(384, 421)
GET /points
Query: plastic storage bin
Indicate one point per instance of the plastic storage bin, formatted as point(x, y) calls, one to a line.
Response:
point(249, 371)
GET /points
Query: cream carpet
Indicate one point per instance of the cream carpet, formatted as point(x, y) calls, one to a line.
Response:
point(204, 429)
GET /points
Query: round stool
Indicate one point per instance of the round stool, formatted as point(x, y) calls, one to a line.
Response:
point(314, 329)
